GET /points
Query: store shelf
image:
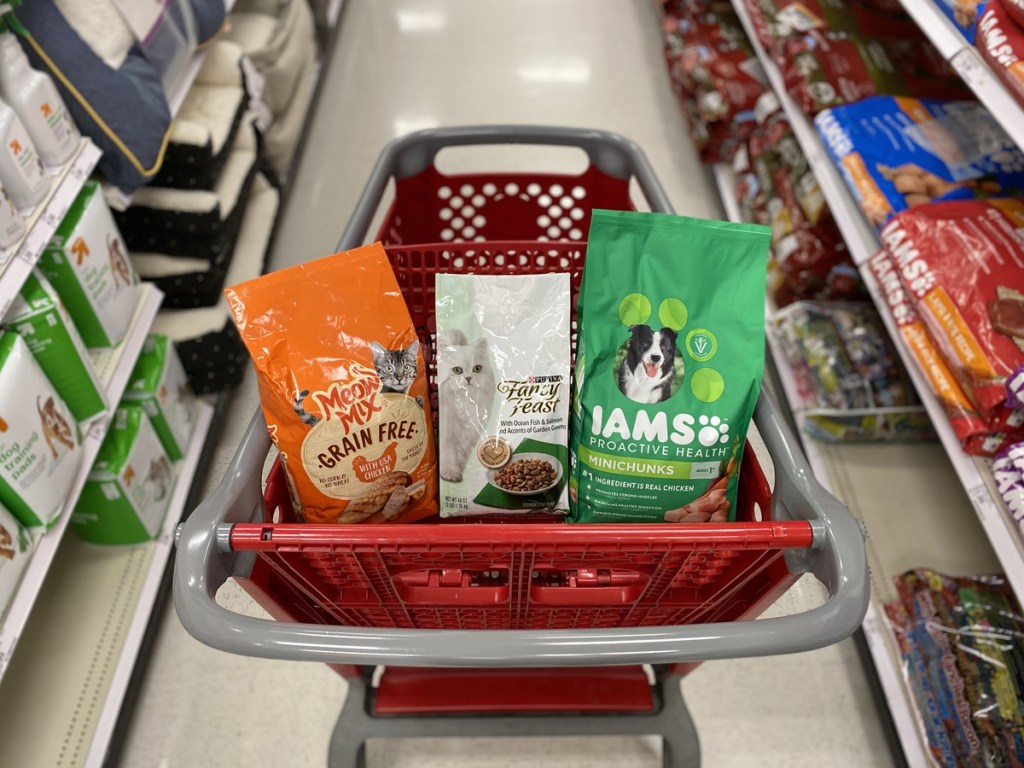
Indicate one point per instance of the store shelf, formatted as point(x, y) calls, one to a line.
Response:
point(863, 243)
point(116, 366)
point(859, 236)
point(914, 512)
point(975, 474)
point(17, 261)
point(968, 63)
point(61, 699)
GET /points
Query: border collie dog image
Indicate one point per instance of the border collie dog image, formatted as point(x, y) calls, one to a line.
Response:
point(647, 372)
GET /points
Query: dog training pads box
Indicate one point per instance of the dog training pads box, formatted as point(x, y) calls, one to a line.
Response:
point(39, 317)
point(159, 385)
point(15, 548)
point(126, 495)
point(87, 262)
point(40, 449)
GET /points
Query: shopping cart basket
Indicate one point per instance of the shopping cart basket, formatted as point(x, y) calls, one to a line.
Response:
point(576, 608)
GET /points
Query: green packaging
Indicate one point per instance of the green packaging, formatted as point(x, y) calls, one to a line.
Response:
point(669, 360)
point(87, 262)
point(159, 385)
point(15, 549)
point(39, 317)
point(125, 498)
point(40, 444)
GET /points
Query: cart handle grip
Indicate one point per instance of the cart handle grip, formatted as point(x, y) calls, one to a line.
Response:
point(613, 154)
point(837, 558)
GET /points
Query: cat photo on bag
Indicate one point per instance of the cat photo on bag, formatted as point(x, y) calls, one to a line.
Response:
point(465, 390)
point(397, 368)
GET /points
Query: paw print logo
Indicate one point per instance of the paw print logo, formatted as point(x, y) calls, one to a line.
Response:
point(712, 430)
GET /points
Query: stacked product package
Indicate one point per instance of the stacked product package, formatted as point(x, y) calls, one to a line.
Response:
point(775, 186)
point(996, 27)
point(962, 643)
point(204, 220)
point(952, 275)
point(714, 72)
point(1008, 473)
point(833, 52)
point(1000, 39)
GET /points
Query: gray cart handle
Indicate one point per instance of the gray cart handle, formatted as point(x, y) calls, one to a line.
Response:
point(204, 559)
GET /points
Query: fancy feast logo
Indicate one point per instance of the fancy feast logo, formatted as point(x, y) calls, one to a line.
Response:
point(533, 395)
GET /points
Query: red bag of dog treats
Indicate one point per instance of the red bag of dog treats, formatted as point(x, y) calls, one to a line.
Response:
point(824, 69)
point(978, 436)
point(809, 253)
point(962, 264)
point(715, 75)
point(1016, 10)
point(1001, 43)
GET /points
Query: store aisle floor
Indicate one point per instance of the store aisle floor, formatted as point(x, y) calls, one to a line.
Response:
point(401, 65)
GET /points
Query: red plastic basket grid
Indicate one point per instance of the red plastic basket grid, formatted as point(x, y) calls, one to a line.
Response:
point(521, 575)
point(432, 207)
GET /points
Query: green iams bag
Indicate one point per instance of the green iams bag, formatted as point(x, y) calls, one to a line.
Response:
point(669, 359)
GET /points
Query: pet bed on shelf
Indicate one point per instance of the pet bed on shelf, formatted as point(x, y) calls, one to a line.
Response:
point(209, 346)
point(192, 223)
point(207, 123)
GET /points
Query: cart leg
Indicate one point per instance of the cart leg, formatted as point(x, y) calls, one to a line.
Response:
point(679, 742)
point(348, 742)
point(671, 721)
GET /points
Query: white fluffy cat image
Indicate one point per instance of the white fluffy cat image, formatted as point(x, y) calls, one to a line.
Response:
point(466, 389)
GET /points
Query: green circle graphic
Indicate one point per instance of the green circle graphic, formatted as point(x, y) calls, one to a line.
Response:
point(673, 314)
point(701, 344)
point(707, 385)
point(635, 309)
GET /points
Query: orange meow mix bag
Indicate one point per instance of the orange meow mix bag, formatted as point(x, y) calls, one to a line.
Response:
point(343, 387)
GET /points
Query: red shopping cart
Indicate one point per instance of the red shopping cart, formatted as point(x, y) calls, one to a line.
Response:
point(577, 610)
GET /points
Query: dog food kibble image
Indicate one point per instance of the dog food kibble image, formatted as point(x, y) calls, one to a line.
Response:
point(526, 475)
point(669, 357)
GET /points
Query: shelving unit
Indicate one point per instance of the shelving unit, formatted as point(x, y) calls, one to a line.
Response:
point(113, 370)
point(968, 63)
point(17, 261)
point(60, 702)
point(914, 510)
point(863, 243)
point(974, 473)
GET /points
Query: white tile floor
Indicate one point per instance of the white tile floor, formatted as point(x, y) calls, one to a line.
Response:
point(401, 65)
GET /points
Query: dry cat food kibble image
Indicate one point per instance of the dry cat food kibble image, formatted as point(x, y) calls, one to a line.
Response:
point(526, 475)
